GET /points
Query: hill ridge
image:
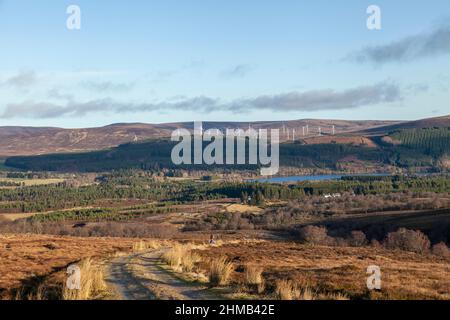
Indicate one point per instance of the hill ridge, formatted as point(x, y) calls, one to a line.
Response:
point(18, 140)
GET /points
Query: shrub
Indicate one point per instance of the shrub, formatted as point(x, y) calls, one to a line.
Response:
point(441, 250)
point(408, 240)
point(358, 239)
point(315, 235)
point(219, 271)
point(375, 243)
point(338, 241)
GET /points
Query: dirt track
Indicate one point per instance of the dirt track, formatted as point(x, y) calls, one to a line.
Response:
point(141, 277)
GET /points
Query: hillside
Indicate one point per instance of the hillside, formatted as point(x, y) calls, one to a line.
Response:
point(155, 155)
point(396, 145)
point(439, 122)
point(34, 141)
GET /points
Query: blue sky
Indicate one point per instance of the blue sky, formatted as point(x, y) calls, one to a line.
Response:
point(167, 61)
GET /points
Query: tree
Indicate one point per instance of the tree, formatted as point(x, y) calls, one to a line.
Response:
point(408, 240)
point(259, 199)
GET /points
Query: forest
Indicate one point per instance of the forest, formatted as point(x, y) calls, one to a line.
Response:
point(134, 184)
point(411, 148)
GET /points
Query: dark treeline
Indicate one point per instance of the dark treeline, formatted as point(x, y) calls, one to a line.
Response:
point(420, 148)
point(138, 185)
point(152, 155)
point(103, 229)
point(10, 184)
point(117, 185)
point(104, 214)
point(434, 141)
point(318, 208)
point(28, 175)
point(249, 192)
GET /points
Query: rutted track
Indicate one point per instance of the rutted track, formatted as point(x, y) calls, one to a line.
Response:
point(141, 277)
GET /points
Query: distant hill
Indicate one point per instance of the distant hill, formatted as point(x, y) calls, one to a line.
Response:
point(36, 141)
point(33, 141)
point(355, 145)
point(439, 122)
point(415, 149)
point(156, 155)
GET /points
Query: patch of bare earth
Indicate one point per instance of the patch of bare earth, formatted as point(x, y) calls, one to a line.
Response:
point(353, 140)
point(143, 276)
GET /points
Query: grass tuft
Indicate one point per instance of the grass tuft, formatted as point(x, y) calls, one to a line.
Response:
point(286, 290)
point(145, 245)
point(220, 270)
point(181, 258)
point(92, 283)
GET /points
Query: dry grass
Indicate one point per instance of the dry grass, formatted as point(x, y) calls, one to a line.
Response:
point(92, 283)
point(40, 294)
point(286, 290)
point(309, 294)
point(253, 278)
point(253, 275)
point(24, 258)
point(181, 257)
point(146, 245)
point(241, 208)
point(338, 273)
point(334, 296)
point(33, 182)
point(17, 216)
point(189, 261)
point(290, 290)
point(219, 272)
point(173, 256)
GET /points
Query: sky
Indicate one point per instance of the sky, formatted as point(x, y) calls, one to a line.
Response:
point(170, 61)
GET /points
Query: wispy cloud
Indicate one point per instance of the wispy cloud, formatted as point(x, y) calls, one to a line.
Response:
point(238, 71)
point(433, 43)
point(106, 86)
point(21, 80)
point(57, 94)
point(287, 102)
point(322, 99)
